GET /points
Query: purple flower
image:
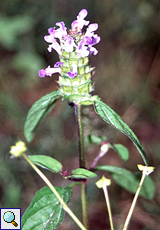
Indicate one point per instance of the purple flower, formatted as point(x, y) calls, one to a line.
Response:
point(68, 44)
point(90, 30)
point(62, 31)
point(71, 40)
point(49, 71)
point(80, 22)
point(58, 64)
point(73, 73)
point(82, 47)
point(51, 39)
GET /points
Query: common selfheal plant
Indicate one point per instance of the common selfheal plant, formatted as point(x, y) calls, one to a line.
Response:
point(74, 47)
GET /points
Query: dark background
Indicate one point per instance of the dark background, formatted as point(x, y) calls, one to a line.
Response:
point(127, 79)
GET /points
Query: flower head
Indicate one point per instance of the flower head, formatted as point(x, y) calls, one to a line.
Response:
point(146, 169)
point(18, 149)
point(103, 182)
point(71, 40)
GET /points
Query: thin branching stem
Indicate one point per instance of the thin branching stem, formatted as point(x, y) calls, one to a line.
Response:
point(134, 201)
point(65, 206)
point(108, 206)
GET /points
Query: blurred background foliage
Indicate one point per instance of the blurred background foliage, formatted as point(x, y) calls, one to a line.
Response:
point(127, 79)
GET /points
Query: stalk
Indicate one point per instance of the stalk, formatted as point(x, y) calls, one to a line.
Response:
point(81, 162)
point(65, 206)
point(146, 171)
point(84, 205)
point(80, 135)
point(108, 205)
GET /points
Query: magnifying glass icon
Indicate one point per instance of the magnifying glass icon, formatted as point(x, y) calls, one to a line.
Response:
point(9, 217)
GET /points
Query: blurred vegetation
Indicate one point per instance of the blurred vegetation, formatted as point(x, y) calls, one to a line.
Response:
point(127, 78)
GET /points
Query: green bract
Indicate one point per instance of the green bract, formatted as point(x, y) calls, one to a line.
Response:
point(79, 85)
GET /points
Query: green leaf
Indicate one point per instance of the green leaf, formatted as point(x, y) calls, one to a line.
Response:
point(112, 118)
point(92, 139)
point(45, 211)
point(121, 150)
point(46, 162)
point(38, 111)
point(82, 173)
point(130, 181)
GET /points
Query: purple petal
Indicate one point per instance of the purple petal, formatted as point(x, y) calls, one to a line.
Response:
point(48, 38)
point(61, 25)
point(55, 45)
point(42, 73)
point(48, 71)
point(80, 22)
point(51, 37)
point(82, 14)
point(92, 27)
point(95, 39)
point(69, 44)
point(72, 74)
point(92, 50)
point(83, 51)
point(58, 64)
point(74, 71)
point(84, 41)
point(51, 30)
point(74, 25)
point(62, 31)
point(90, 30)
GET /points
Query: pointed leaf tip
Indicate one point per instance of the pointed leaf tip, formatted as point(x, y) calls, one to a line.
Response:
point(112, 118)
point(46, 162)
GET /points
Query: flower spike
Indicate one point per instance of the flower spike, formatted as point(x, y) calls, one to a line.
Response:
point(74, 47)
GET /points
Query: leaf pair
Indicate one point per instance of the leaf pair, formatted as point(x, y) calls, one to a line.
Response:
point(122, 177)
point(56, 167)
point(43, 106)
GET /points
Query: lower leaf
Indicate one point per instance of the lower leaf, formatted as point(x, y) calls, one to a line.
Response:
point(129, 180)
point(45, 211)
point(121, 150)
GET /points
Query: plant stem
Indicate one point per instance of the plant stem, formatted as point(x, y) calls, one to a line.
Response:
point(81, 162)
point(108, 206)
point(65, 207)
point(80, 135)
point(84, 205)
point(134, 201)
